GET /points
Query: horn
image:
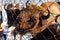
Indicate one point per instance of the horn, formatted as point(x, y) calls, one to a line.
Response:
point(46, 17)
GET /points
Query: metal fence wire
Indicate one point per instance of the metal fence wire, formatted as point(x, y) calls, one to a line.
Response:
point(50, 33)
point(24, 1)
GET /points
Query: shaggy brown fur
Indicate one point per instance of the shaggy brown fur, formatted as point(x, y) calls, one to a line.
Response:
point(29, 19)
point(24, 24)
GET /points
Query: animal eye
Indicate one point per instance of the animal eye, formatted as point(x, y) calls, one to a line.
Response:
point(31, 20)
point(17, 11)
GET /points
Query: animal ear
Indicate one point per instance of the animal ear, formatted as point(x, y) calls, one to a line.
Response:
point(17, 5)
point(27, 3)
point(35, 6)
point(56, 19)
point(9, 6)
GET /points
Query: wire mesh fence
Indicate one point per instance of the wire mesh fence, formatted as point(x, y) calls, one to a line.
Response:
point(48, 34)
point(23, 1)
